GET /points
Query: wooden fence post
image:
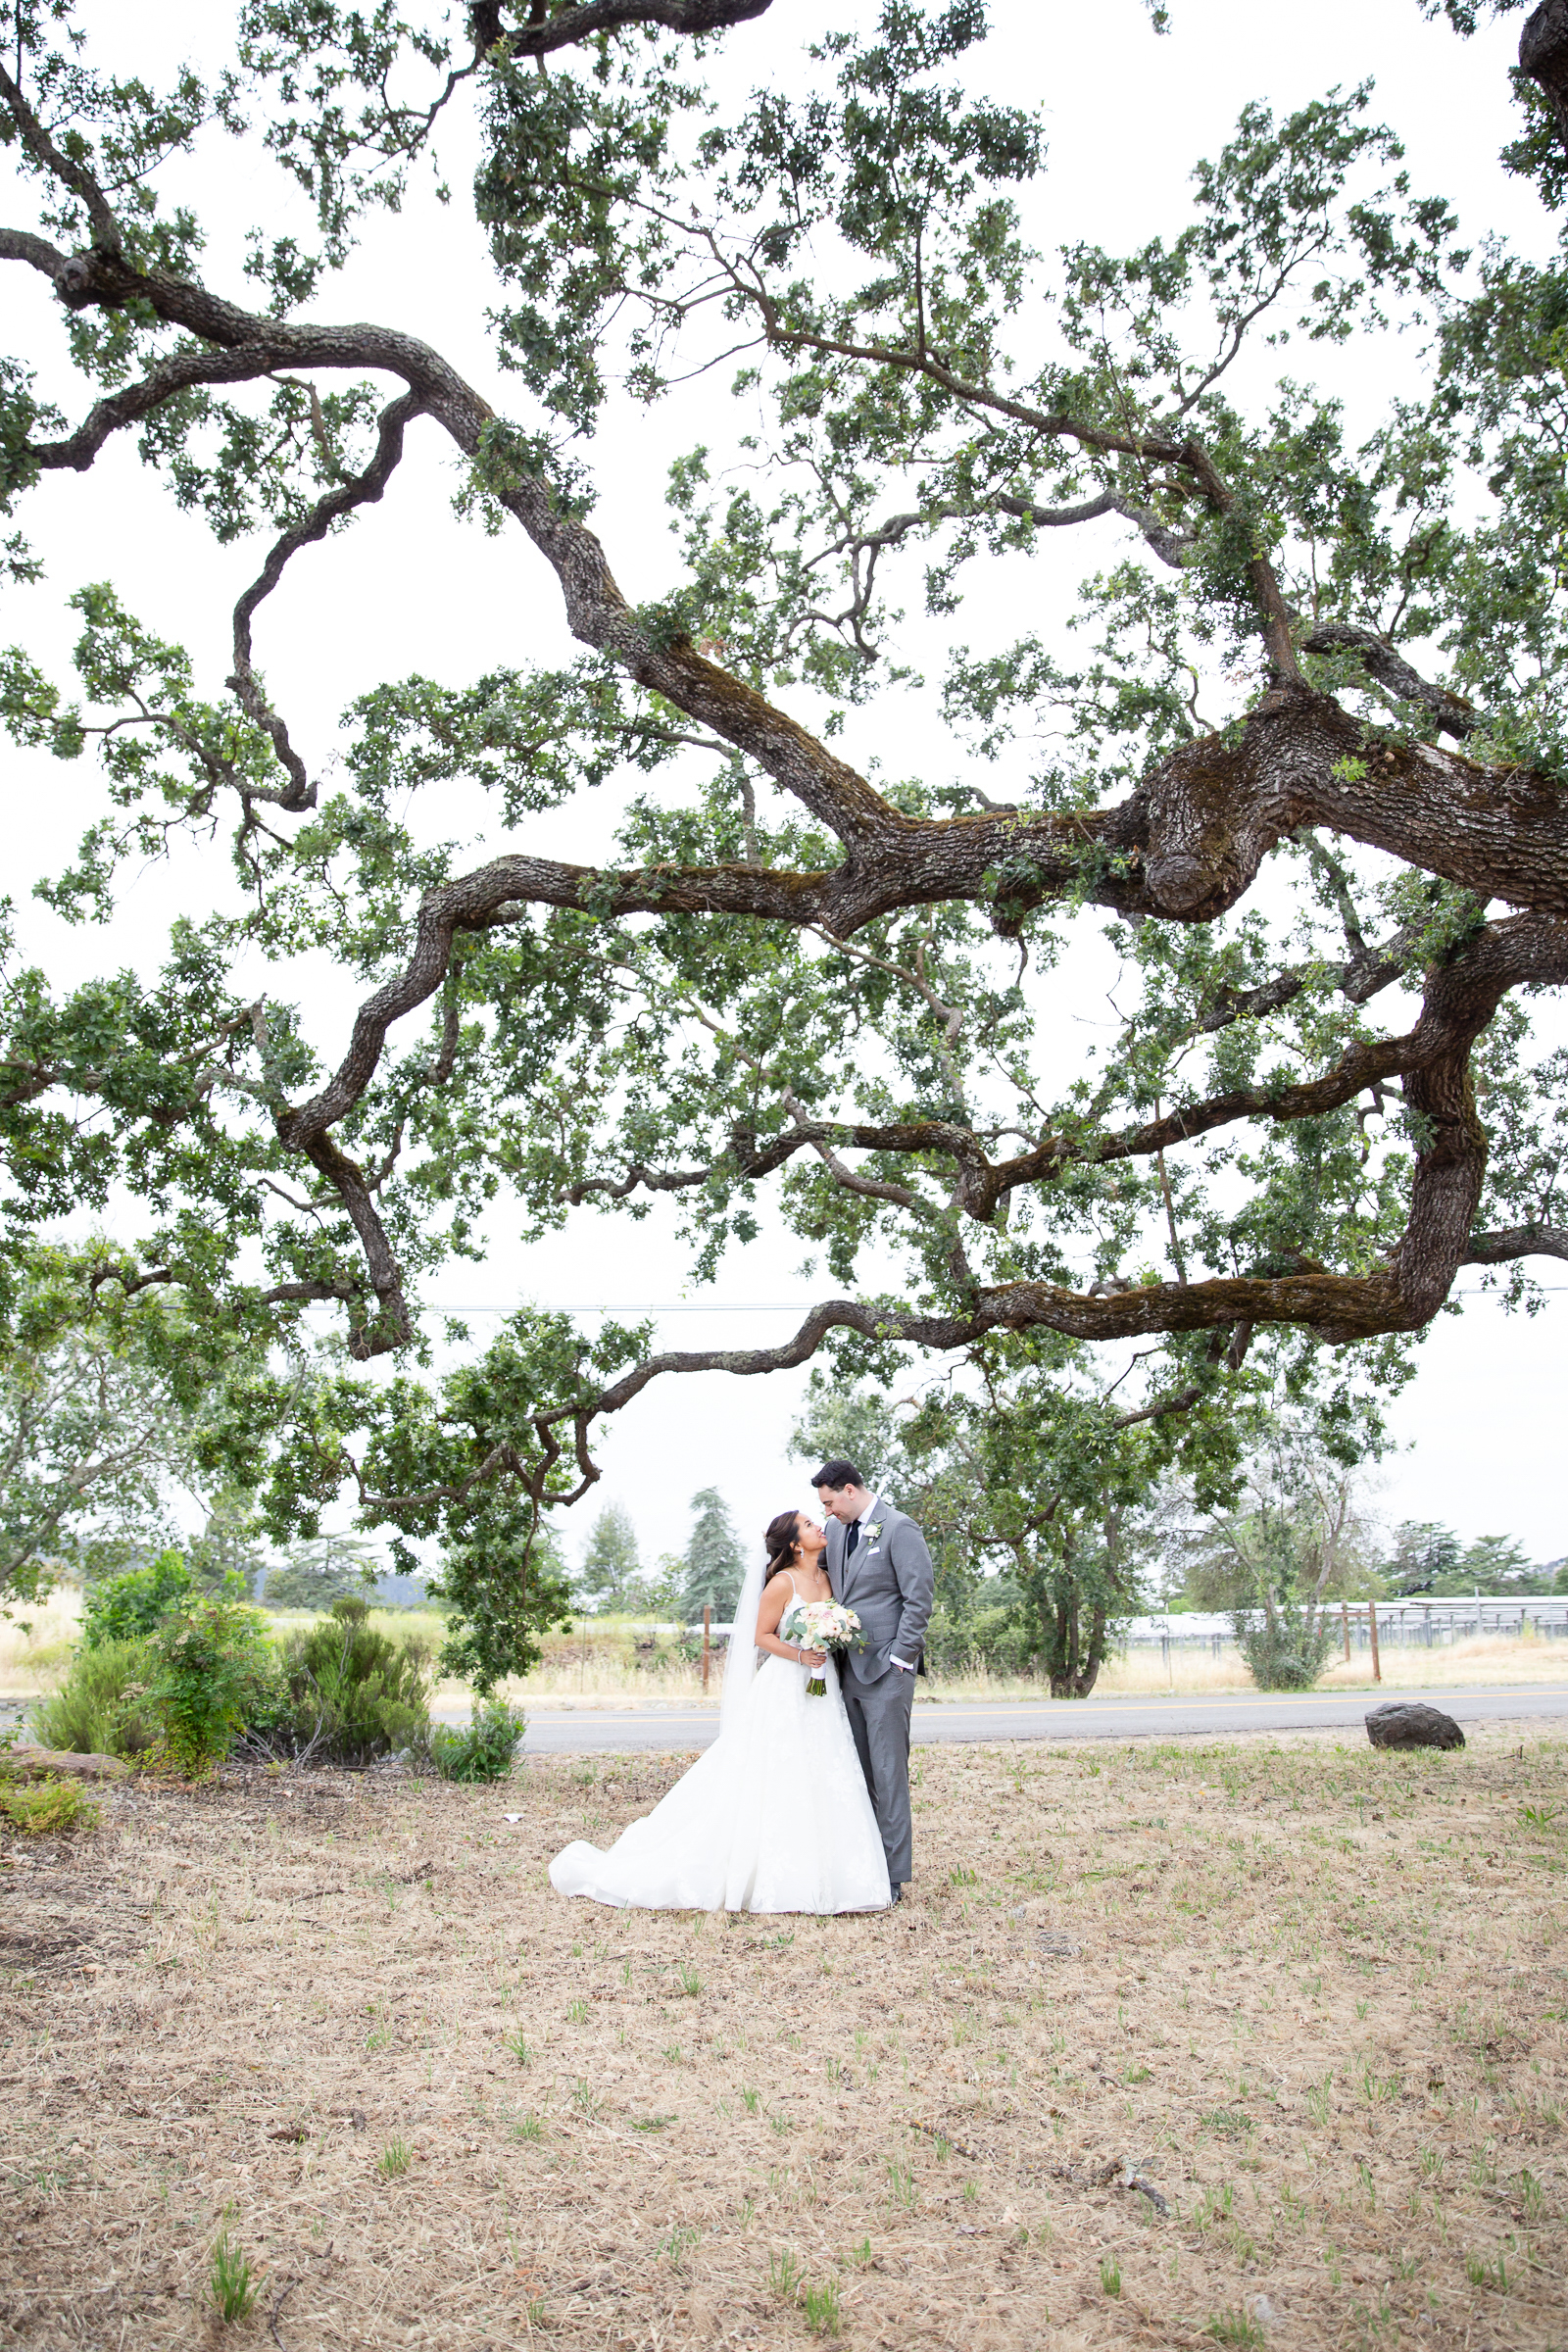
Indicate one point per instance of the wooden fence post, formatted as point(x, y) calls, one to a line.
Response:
point(1372, 1618)
point(1345, 1627)
point(708, 1625)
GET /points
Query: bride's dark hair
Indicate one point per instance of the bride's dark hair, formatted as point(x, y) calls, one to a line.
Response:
point(780, 1539)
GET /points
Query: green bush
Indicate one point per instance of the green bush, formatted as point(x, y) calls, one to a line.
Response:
point(102, 1708)
point(123, 1607)
point(345, 1693)
point(997, 1638)
point(46, 1808)
point(1286, 1647)
point(486, 1750)
point(212, 1671)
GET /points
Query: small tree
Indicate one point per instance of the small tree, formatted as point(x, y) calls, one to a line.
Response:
point(1499, 1564)
point(317, 1574)
point(505, 1581)
point(611, 1568)
point(227, 1544)
point(1425, 1557)
point(1275, 1560)
point(662, 1593)
point(112, 1405)
point(213, 1667)
point(715, 1569)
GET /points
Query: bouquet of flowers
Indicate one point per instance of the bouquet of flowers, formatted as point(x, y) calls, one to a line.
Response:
point(821, 1625)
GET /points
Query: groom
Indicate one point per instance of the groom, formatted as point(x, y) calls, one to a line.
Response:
point(878, 1565)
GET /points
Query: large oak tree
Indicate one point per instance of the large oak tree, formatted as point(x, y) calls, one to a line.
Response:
point(1321, 660)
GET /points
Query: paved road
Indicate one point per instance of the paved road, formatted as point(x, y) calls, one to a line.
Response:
point(596, 1731)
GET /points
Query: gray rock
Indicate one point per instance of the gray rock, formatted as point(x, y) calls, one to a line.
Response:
point(40, 1763)
point(1404, 1723)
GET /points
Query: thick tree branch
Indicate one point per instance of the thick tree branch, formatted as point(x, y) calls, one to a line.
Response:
point(569, 26)
point(1544, 56)
point(1515, 1241)
point(1391, 669)
point(37, 141)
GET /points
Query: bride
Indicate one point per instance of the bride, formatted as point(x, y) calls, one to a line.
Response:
point(775, 1816)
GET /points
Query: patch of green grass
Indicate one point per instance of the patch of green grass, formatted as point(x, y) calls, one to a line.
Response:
point(751, 2100)
point(1233, 2327)
point(784, 2275)
point(231, 2282)
point(820, 2305)
point(902, 2188)
point(690, 1983)
point(527, 2127)
point(677, 2244)
point(1213, 2205)
point(394, 2160)
point(516, 2047)
point(577, 2013)
point(1482, 2273)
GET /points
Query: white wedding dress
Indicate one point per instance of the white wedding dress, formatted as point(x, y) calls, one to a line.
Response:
point(774, 1817)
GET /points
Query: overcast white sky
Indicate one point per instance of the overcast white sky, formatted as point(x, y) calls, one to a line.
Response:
point(407, 589)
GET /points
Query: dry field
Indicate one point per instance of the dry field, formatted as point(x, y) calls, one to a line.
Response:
point(1260, 2042)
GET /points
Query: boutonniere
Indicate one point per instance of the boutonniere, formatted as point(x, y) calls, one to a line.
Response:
point(875, 1527)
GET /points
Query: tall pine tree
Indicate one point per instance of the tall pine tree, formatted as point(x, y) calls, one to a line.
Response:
point(715, 1569)
point(610, 1567)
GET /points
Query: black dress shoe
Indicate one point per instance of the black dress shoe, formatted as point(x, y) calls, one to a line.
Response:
point(897, 1894)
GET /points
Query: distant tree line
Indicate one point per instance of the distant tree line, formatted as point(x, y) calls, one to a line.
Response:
point(614, 1582)
point(1054, 1519)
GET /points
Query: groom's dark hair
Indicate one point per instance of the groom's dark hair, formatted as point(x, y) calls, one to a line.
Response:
point(836, 1476)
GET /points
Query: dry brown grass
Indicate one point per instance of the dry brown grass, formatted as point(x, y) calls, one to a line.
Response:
point(1315, 1996)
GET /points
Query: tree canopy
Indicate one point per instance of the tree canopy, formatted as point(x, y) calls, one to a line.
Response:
point(1294, 762)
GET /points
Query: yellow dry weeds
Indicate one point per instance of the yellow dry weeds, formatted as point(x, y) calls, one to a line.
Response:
point(1311, 1998)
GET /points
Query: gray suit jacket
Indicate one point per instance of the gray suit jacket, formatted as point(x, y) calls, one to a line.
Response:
point(890, 1586)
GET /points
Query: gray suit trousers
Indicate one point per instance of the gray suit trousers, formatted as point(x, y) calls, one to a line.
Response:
point(879, 1716)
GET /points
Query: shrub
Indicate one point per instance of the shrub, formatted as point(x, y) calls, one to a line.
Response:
point(123, 1607)
point(212, 1670)
point(1285, 1646)
point(486, 1750)
point(46, 1807)
point(346, 1694)
point(997, 1638)
point(102, 1708)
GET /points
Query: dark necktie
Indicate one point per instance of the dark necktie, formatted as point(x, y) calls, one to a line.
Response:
point(851, 1540)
